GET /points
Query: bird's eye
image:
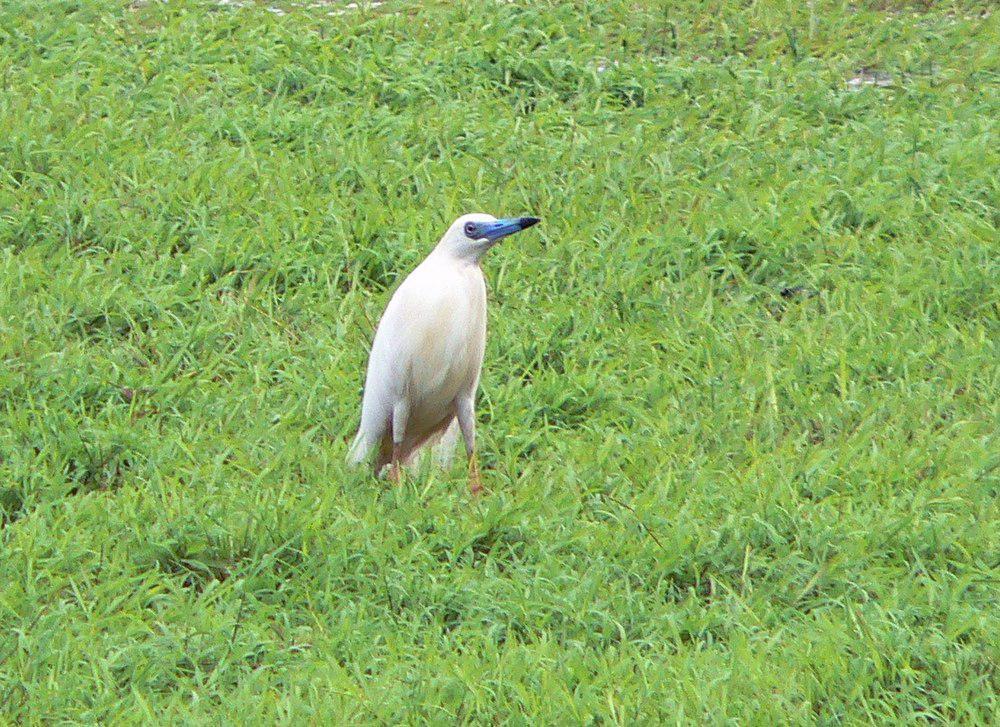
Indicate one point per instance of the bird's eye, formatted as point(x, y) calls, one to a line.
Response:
point(470, 229)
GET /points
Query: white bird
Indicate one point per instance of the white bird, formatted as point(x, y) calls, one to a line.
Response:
point(427, 355)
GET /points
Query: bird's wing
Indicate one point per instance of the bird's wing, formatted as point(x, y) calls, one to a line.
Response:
point(397, 337)
point(406, 327)
point(389, 362)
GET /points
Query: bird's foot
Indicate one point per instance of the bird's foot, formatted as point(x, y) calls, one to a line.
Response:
point(396, 473)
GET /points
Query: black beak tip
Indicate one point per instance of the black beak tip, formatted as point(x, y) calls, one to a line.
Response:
point(527, 222)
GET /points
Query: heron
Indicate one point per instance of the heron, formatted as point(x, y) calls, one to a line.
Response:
point(427, 355)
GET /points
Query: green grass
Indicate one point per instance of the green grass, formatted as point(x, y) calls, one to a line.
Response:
point(740, 406)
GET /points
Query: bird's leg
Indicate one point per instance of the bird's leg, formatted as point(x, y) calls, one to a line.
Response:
point(400, 412)
point(467, 423)
point(475, 480)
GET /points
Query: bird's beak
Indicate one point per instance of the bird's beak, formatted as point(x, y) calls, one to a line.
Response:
point(494, 231)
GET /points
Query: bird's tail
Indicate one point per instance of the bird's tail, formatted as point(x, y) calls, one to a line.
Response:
point(359, 449)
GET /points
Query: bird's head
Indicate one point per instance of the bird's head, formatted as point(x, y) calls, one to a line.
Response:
point(470, 236)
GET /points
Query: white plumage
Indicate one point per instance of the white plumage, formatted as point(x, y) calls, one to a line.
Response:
point(426, 358)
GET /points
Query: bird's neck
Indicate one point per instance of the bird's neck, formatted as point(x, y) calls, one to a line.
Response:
point(450, 256)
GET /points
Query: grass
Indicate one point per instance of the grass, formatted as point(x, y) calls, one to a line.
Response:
point(739, 413)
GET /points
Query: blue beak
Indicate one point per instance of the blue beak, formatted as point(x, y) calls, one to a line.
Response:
point(494, 231)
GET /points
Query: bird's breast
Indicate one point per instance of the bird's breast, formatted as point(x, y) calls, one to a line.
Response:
point(450, 336)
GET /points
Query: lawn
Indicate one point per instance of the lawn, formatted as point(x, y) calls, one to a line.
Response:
point(740, 410)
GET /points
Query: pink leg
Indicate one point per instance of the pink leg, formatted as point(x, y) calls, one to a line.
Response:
point(467, 423)
point(475, 480)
